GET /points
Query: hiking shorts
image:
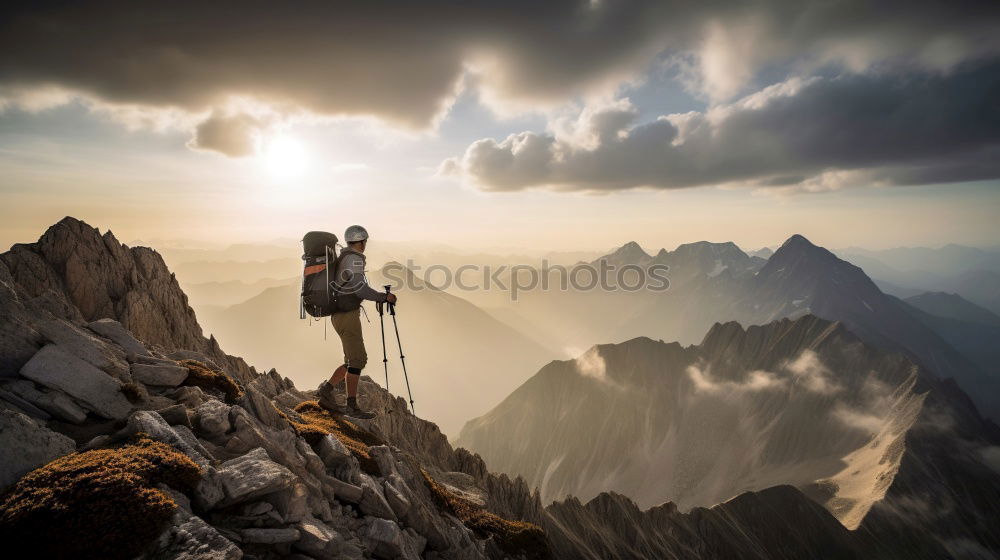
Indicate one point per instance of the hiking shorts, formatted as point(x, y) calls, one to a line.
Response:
point(348, 327)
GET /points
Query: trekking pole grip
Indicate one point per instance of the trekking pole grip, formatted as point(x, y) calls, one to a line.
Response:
point(392, 306)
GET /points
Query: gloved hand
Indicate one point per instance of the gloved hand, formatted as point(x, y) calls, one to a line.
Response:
point(391, 298)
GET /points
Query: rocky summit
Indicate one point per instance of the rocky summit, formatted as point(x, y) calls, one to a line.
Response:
point(102, 357)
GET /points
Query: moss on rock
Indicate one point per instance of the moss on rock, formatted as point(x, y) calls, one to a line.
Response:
point(100, 504)
point(513, 537)
point(319, 422)
point(200, 375)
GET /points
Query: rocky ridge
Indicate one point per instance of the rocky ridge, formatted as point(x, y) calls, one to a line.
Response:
point(100, 345)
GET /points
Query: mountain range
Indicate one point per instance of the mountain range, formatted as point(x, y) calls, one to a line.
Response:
point(792, 439)
point(882, 444)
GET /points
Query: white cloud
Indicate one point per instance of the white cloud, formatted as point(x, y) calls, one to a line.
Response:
point(810, 372)
point(754, 381)
point(592, 364)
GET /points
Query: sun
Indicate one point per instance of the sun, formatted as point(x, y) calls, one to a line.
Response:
point(285, 157)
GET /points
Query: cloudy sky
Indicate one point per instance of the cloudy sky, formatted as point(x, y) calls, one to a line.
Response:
point(556, 125)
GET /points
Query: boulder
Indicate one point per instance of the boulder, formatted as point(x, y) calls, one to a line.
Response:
point(54, 402)
point(395, 494)
point(260, 406)
point(252, 475)
point(373, 500)
point(291, 504)
point(384, 458)
point(78, 342)
point(159, 375)
point(188, 436)
point(316, 539)
point(176, 415)
point(158, 429)
point(387, 540)
point(192, 397)
point(114, 331)
point(208, 493)
point(341, 463)
point(213, 417)
point(345, 491)
point(26, 446)
point(281, 445)
point(55, 368)
point(190, 538)
point(270, 536)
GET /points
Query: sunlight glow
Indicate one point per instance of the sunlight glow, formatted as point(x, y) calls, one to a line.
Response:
point(285, 158)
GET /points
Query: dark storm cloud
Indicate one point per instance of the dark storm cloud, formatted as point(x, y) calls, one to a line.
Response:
point(815, 134)
point(403, 61)
point(232, 135)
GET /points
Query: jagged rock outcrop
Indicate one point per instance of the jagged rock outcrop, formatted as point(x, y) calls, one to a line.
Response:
point(107, 357)
point(76, 274)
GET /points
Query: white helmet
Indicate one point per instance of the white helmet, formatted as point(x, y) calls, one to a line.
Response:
point(355, 233)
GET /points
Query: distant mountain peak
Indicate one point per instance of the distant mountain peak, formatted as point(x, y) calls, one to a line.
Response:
point(631, 248)
point(629, 253)
point(797, 240)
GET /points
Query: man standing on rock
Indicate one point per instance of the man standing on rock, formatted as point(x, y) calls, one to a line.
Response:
point(352, 289)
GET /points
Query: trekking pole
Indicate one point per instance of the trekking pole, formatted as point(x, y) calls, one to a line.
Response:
point(381, 324)
point(402, 358)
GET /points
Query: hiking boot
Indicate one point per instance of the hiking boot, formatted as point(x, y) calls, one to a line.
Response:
point(328, 398)
point(354, 411)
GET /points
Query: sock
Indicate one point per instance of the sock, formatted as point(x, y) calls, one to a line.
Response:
point(352, 402)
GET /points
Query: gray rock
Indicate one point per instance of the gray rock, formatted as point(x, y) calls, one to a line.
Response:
point(113, 330)
point(53, 402)
point(372, 499)
point(26, 446)
point(291, 503)
point(159, 375)
point(180, 499)
point(208, 493)
point(190, 538)
point(85, 346)
point(192, 397)
point(384, 458)
point(316, 539)
point(281, 446)
point(291, 398)
point(54, 368)
point(157, 428)
point(189, 438)
point(396, 497)
point(260, 406)
point(213, 417)
point(386, 539)
point(270, 536)
point(257, 508)
point(346, 491)
point(338, 459)
point(176, 415)
point(133, 358)
point(251, 476)
point(16, 402)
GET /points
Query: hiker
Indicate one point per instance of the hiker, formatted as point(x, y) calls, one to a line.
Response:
point(353, 288)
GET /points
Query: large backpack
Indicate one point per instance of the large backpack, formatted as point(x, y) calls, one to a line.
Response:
point(319, 256)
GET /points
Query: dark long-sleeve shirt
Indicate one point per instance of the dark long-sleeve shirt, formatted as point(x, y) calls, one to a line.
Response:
point(350, 276)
